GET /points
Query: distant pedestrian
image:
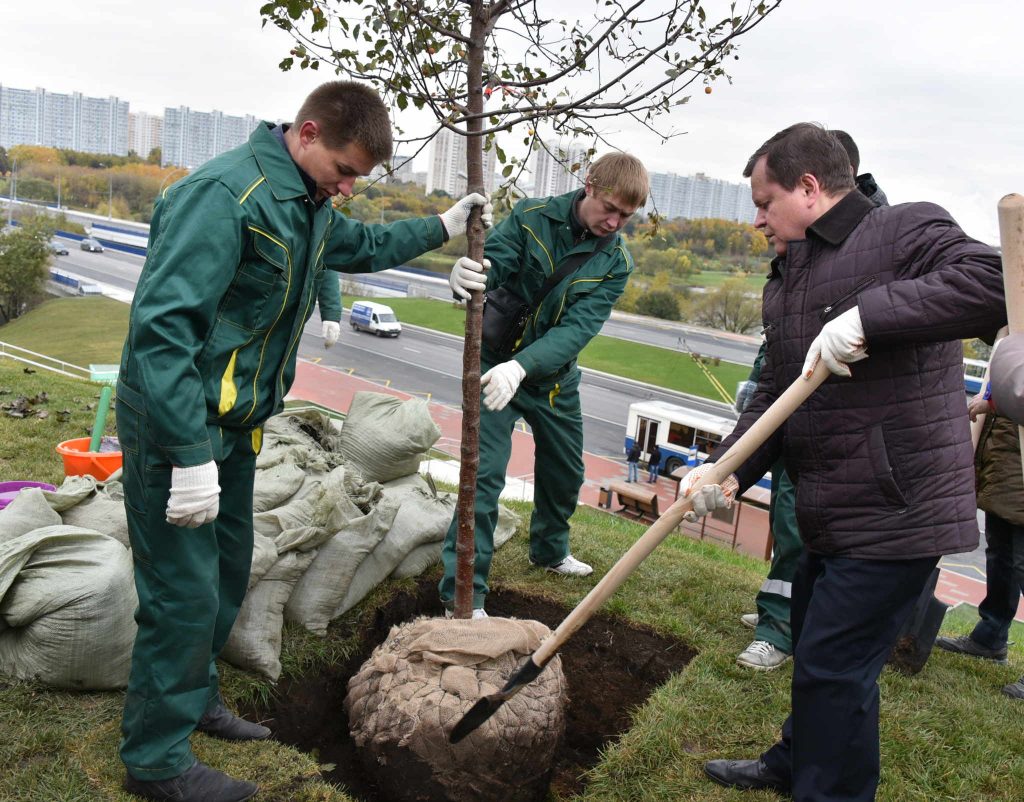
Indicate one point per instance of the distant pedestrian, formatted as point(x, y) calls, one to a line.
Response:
point(1001, 495)
point(654, 464)
point(633, 463)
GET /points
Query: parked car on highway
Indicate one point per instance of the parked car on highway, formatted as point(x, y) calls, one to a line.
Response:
point(57, 249)
point(91, 245)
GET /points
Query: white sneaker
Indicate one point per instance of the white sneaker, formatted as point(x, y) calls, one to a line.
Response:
point(749, 620)
point(761, 656)
point(478, 612)
point(570, 566)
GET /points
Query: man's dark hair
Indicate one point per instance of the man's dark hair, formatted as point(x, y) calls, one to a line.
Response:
point(347, 111)
point(849, 146)
point(804, 148)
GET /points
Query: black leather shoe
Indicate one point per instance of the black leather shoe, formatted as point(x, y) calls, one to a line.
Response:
point(1015, 689)
point(222, 723)
point(965, 644)
point(199, 784)
point(747, 774)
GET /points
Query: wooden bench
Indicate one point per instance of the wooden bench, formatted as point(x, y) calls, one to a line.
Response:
point(636, 497)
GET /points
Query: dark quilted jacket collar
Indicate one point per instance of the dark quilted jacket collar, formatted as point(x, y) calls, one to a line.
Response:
point(839, 222)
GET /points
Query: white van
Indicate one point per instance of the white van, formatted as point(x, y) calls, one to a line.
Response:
point(375, 318)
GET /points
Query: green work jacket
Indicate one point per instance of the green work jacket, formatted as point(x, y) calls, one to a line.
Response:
point(237, 254)
point(526, 248)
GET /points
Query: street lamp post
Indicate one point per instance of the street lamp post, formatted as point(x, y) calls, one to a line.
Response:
point(12, 194)
point(110, 191)
point(167, 178)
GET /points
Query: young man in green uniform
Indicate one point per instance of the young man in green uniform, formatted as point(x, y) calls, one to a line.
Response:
point(237, 253)
point(540, 382)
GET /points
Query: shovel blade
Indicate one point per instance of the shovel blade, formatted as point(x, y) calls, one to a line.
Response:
point(486, 707)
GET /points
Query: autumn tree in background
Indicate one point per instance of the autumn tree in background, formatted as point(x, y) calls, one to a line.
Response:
point(24, 263)
point(730, 307)
point(514, 68)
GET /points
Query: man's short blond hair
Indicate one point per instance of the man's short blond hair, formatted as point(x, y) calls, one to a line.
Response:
point(621, 175)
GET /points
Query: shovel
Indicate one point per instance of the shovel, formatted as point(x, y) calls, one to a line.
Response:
point(752, 439)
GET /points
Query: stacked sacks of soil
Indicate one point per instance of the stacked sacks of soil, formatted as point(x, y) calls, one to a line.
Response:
point(407, 697)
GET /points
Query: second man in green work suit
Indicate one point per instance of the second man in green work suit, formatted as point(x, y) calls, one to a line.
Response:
point(237, 253)
point(540, 382)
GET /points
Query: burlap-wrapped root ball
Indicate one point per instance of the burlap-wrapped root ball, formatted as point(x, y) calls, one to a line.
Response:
point(417, 685)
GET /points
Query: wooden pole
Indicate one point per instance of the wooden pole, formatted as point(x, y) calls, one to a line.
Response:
point(1011, 236)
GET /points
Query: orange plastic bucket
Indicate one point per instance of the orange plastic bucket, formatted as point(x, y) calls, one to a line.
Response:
point(80, 462)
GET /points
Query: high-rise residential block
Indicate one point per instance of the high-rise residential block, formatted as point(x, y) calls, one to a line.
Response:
point(697, 196)
point(55, 120)
point(553, 173)
point(446, 169)
point(190, 138)
point(145, 132)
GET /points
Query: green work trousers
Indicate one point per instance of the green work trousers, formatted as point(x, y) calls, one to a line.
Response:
point(552, 410)
point(773, 600)
point(190, 582)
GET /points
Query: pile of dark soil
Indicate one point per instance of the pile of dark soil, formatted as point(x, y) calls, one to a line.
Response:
point(611, 669)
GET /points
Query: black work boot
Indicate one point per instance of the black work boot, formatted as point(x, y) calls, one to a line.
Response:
point(965, 644)
point(1015, 689)
point(222, 723)
point(199, 784)
point(747, 774)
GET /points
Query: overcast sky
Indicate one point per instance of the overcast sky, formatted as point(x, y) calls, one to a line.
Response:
point(932, 90)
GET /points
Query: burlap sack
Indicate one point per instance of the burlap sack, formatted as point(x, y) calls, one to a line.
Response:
point(274, 486)
point(30, 510)
point(404, 701)
point(386, 438)
point(101, 513)
point(255, 640)
point(67, 605)
point(422, 518)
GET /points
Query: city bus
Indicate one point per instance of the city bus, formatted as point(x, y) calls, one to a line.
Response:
point(974, 375)
point(685, 436)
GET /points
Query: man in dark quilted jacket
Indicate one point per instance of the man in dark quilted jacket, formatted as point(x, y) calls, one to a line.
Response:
point(880, 454)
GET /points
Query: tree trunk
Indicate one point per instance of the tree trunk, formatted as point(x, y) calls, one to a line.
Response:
point(465, 549)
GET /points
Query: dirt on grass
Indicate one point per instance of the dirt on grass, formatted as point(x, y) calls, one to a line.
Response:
point(611, 669)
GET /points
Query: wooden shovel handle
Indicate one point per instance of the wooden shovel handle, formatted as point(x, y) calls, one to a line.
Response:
point(1011, 238)
point(773, 417)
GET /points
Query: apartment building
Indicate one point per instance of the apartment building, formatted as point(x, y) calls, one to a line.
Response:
point(71, 121)
point(698, 196)
point(189, 138)
point(446, 169)
point(553, 173)
point(145, 132)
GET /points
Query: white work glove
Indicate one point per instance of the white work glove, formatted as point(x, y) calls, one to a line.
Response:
point(500, 384)
point(840, 342)
point(468, 276)
point(744, 392)
point(330, 331)
point(455, 218)
point(195, 495)
point(709, 497)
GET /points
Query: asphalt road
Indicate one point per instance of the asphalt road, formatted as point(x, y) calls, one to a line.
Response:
point(427, 363)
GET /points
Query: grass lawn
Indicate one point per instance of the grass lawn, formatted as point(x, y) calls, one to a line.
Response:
point(80, 330)
point(947, 734)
